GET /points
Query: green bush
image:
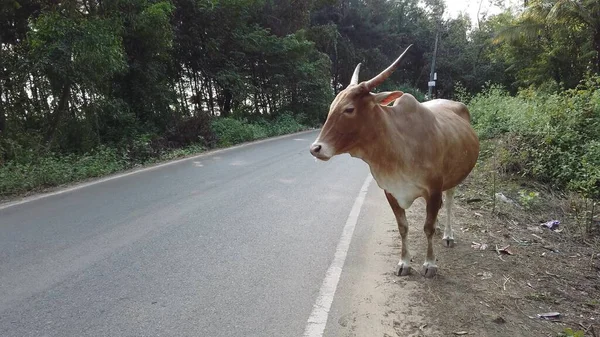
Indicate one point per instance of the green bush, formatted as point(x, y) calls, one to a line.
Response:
point(230, 131)
point(552, 137)
point(286, 123)
point(393, 86)
point(53, 170)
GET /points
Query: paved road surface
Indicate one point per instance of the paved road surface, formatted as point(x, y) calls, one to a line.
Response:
point(234, 243)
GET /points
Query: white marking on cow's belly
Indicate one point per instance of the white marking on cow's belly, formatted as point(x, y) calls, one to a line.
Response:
point(405, 191)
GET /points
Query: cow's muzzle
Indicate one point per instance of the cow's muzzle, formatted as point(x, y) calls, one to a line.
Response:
point(316, 150)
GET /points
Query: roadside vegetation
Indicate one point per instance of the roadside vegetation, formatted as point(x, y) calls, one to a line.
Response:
point(552, 138)
point(32, 171)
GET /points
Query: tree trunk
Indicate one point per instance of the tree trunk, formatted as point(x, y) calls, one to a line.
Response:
point(227, 97)
point(62, 106)
point(36, 96)
point(196, 89)
point(211, 102)
point(294, 94)
point(3, 82)
point(184, 103)
point(597, 47)
point(256, 108)
point(2, 115)
point(336, 72)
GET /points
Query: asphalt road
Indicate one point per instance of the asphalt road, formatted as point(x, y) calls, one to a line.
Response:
point(234, 243)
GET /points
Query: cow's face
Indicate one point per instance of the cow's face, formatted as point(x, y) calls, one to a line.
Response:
point(353, 117)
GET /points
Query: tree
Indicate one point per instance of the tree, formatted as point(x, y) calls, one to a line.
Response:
point(553, 37)
point(73, 53)
point(584, 12)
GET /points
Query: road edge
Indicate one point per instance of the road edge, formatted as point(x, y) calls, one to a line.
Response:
point(317, 321)
point(57, 190)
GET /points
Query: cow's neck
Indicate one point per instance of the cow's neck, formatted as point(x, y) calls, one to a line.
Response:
point(382, 144)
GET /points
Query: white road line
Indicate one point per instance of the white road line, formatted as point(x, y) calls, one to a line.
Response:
point(318, 317)
point(121, 175)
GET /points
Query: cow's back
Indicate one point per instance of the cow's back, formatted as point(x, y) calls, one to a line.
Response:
point(458, 108)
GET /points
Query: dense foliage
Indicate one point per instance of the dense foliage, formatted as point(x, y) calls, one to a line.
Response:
point(552, 137)
point(89, 87)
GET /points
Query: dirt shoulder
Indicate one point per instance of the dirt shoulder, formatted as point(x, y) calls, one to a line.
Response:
point(476, 292)
point(495, 293)
point(370, 299)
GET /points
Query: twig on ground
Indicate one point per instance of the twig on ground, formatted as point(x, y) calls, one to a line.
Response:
point(538, 237)
point(436, 295)
point(550, 248)
point(585, 328)
point(519, 241)
point(506, 279)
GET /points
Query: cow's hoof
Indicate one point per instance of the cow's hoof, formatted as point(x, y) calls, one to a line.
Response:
point(402, 269)
point(448, 242)
point(429, 269)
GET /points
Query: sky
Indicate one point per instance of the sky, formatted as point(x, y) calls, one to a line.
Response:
point(454, 7)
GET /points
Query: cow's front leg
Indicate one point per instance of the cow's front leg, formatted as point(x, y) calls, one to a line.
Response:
point(403, 267)
point(434, 203)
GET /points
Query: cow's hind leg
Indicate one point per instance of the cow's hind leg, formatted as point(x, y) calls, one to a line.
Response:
point(448, 237)
point(434, 203)
point(403, 267)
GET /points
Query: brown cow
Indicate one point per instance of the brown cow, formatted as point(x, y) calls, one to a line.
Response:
point(413, 150)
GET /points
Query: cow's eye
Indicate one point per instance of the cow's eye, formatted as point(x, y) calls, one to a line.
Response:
point(349, 110)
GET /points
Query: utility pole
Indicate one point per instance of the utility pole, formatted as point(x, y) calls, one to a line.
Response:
point(432, 77)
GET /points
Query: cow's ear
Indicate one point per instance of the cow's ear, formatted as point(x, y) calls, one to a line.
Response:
point(386, 97)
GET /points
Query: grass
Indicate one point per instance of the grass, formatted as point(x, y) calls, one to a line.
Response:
point(49, 170)
point(568, 332)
